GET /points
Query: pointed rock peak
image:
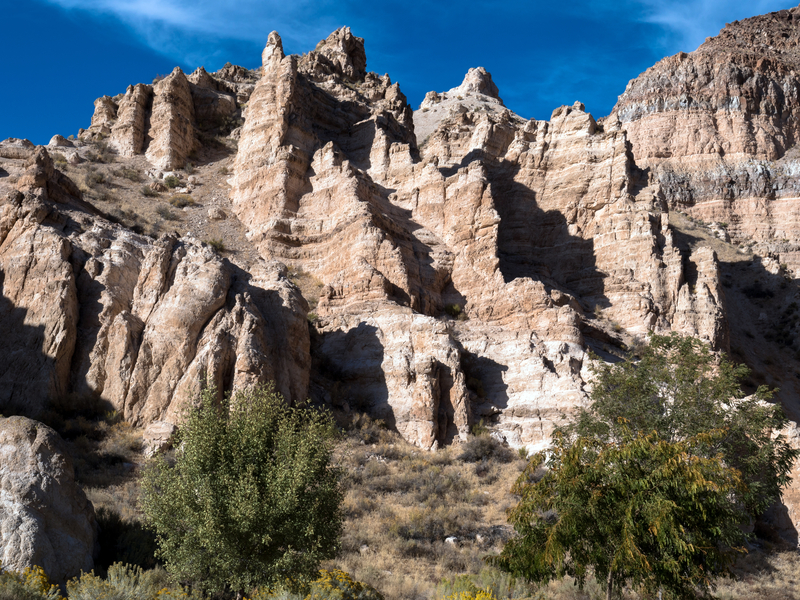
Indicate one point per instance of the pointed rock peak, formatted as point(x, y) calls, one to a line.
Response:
point(202, 78)
point(479, 80)
point(39, 171)
point(273, 52)
point(346, 51)
point(176, 77)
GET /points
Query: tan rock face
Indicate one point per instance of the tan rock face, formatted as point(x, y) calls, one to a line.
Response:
point(16, 148)
point(717, 127)
point(91, 308)
point(45, 518)
point(463, 259)
point(163, 120)
point(128, 133)
point(523, 225)
point(171, 122)
point(105, 114)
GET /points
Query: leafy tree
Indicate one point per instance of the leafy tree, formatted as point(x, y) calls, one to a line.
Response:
point(252, 499)
point(641, 510)
point(679, 388)
point(651, 483)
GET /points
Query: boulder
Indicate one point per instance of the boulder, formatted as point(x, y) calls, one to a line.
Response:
point(61, 141)
point(215, 213)
point(45, 518)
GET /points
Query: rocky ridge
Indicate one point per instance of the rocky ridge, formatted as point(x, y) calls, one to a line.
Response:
point(92, 308)
point(718, 128)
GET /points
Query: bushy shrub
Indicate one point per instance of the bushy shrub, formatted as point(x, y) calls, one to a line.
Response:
point(181, 200)
point(171, 181)
point(125, 582)
point(29, 584)
point(217, 244)
point(166, 213)
point(476, 595)
point(252, 498)
point(148, 192)
point(485, 446)
point(493, 582)
point(94, 178)
point(128, 173)
point(453, 310)
point(338, 585)
point(435, 523)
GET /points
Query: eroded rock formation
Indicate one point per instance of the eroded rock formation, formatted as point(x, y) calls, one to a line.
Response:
point(91, 308)
point(465, 258)
point(524, 226)
point(164, 120)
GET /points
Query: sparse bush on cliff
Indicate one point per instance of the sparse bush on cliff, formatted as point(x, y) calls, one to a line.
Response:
point(217, 244)
point(252, 499)
point(484, 446)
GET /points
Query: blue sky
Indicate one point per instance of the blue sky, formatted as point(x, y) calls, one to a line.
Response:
point(62, 54)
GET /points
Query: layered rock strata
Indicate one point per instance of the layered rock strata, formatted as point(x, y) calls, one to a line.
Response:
point(718, 128)
point(165, 120)
point(550, 237)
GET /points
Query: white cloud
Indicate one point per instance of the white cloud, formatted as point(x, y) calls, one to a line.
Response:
point(173, 27)
point(687, 23)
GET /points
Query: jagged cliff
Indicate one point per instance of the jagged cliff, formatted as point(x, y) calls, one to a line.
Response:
point(546, 237)
point(432, 267)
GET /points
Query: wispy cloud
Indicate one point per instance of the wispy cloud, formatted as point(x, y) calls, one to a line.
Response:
point(173, 27)
point(687, 23)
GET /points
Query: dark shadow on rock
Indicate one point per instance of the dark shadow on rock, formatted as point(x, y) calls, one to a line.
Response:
point(776, 526)
point(485, 380)
point(89, 291)
point(347, 373)
point(417, 255)
point(447, 429)
point(122, 540)
point(27, 374)
point(537, 244)
point(470, 157)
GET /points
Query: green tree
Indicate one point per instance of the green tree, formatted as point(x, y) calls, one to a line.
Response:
point(679, 388)
point(641, 510)
point(651, 483)
point(252, 499)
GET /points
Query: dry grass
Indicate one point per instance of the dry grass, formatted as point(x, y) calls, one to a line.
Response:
point(182, 200)
point(309, 285)
point(402, 503)
point(764, 576)
point(700, 235)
